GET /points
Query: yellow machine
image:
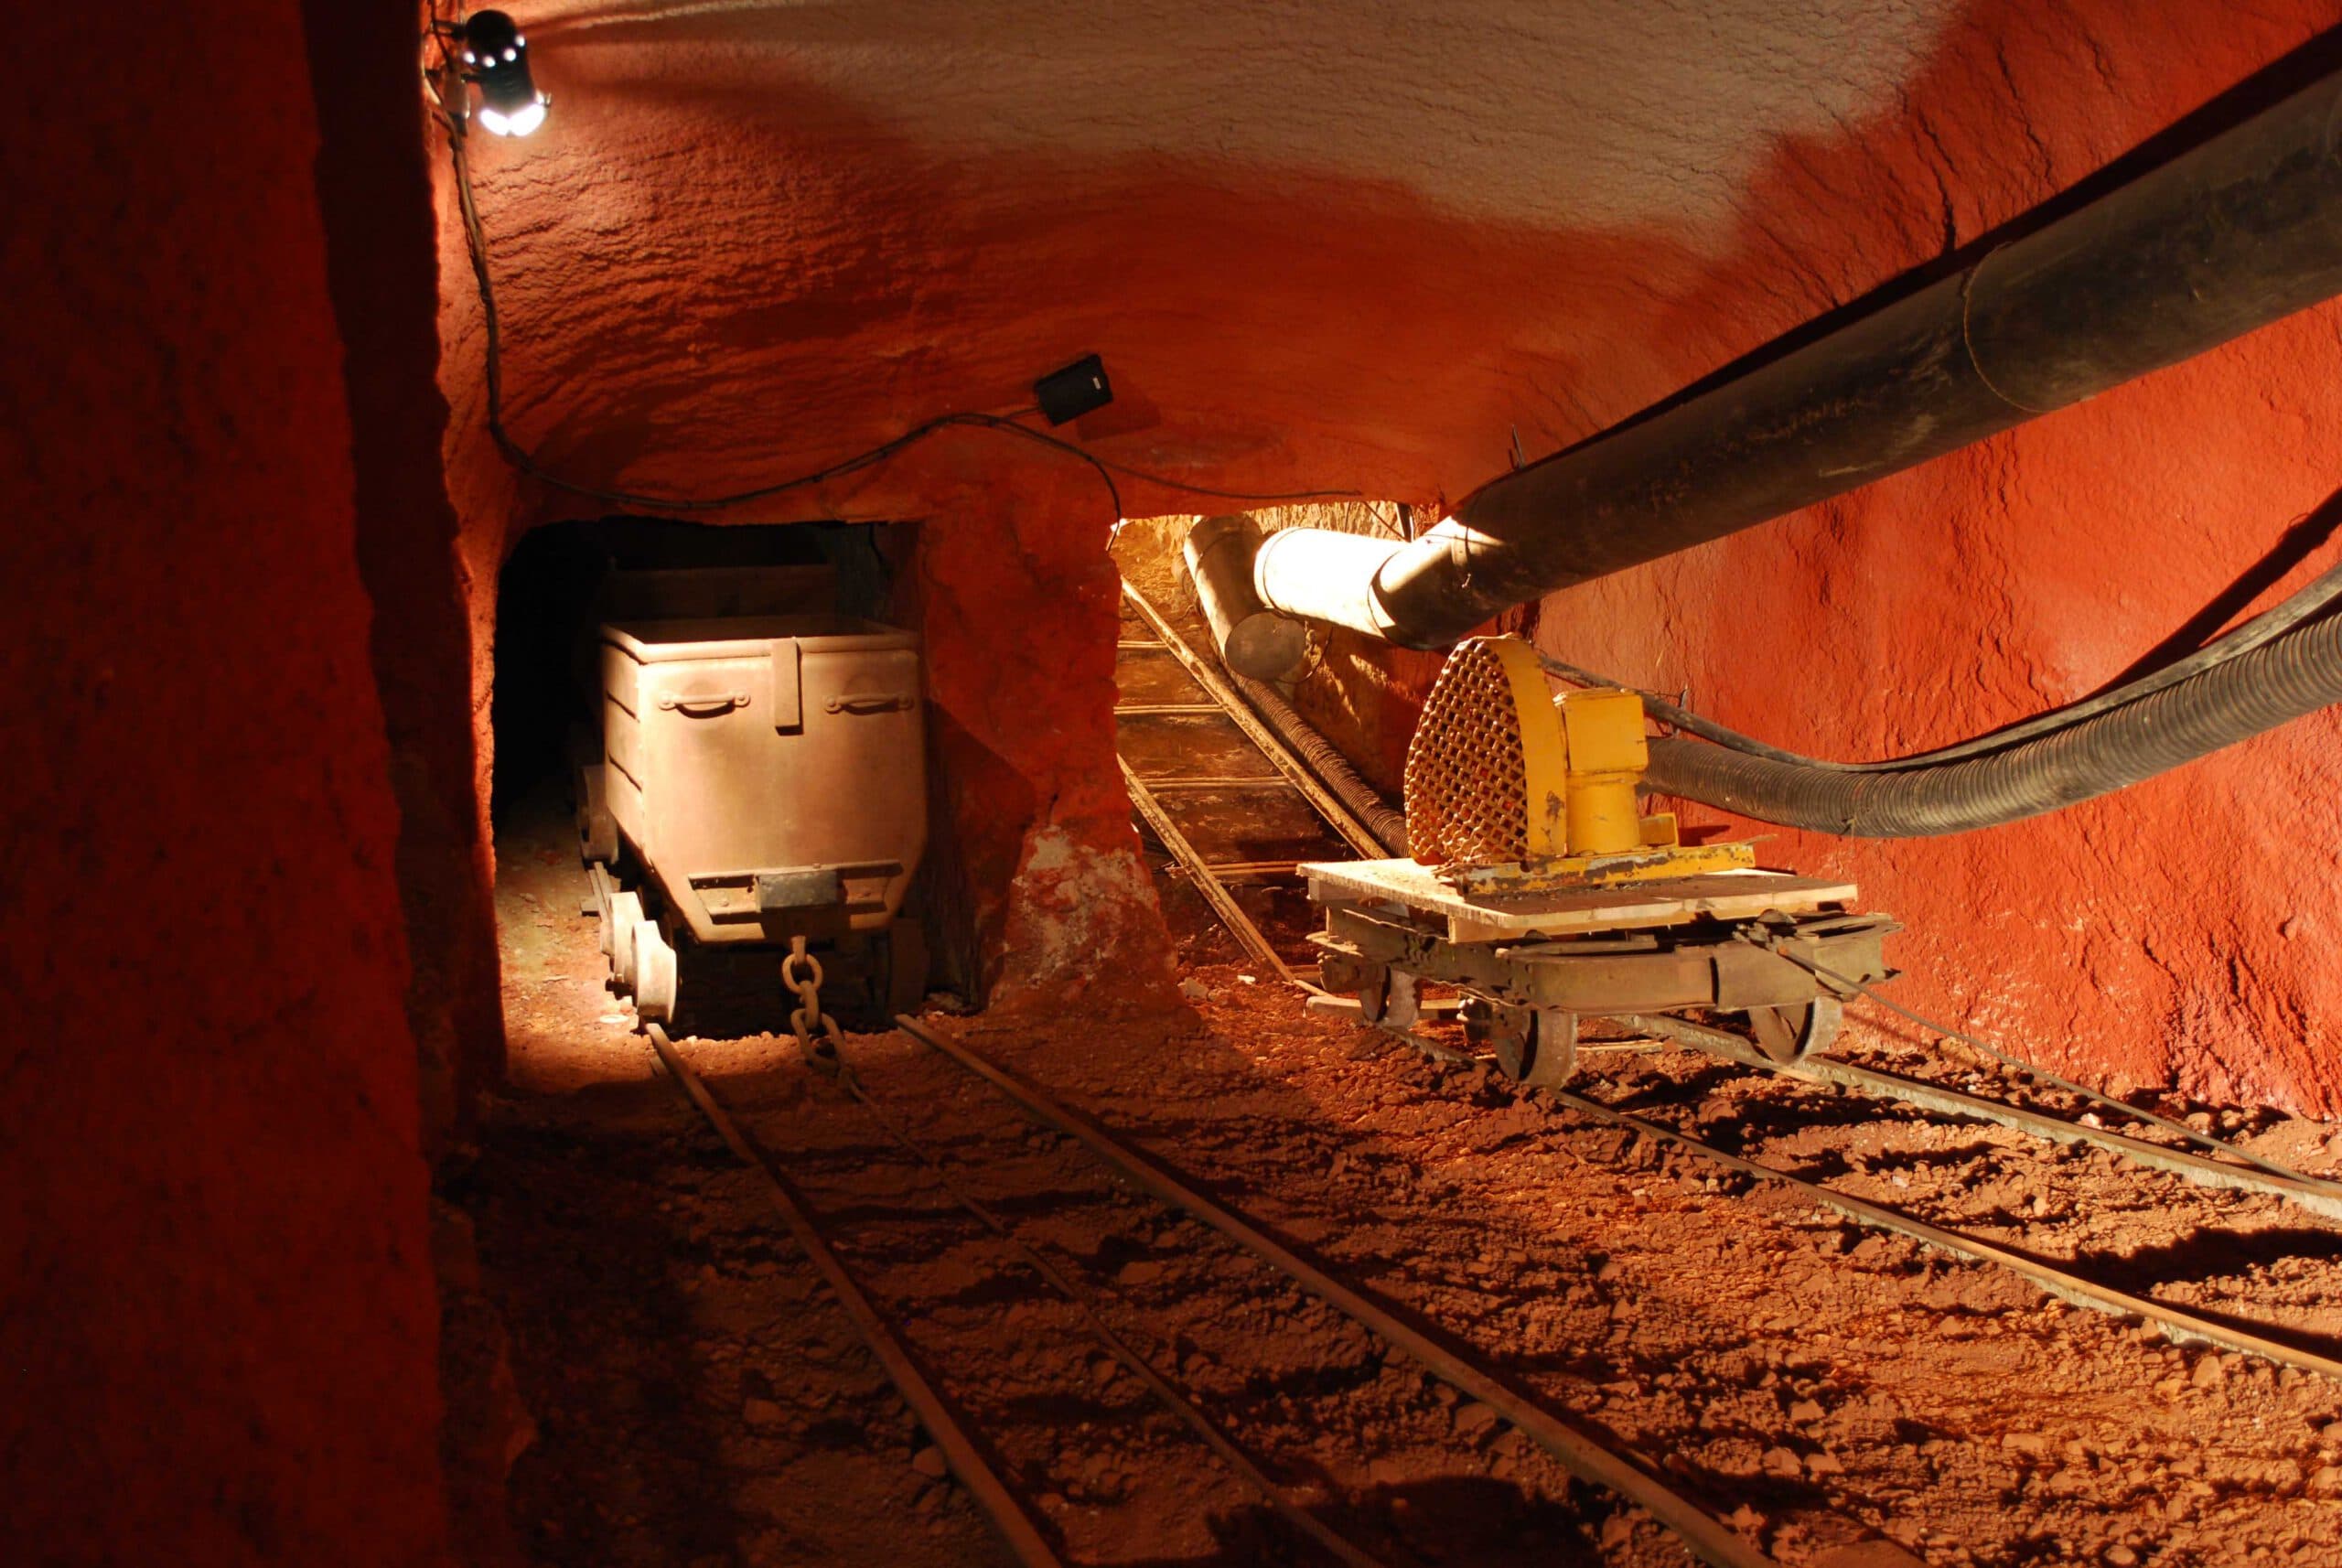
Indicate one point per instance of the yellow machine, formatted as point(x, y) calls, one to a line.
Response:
point(1510, 789)
point(1539, 891)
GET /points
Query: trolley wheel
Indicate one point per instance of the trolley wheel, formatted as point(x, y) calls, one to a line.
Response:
point(654, 974)
point(617, 929)
point(1388, 999)
point(1536, 1048)
point(1790, 1034)
point(597, 831)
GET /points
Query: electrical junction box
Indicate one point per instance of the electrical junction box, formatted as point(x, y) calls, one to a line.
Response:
point(1080, 388)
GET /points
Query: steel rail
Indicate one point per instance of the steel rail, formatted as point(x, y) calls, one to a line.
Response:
point(1016, 1528)
point(2317, 1197)
point(1200, 872)
point(1848, 985)
point(1708, 1538)
point(1165, 1393)
point(1271, 745)
point(2175, 1322)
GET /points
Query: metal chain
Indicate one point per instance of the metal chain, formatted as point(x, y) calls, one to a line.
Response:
point(808, 1015)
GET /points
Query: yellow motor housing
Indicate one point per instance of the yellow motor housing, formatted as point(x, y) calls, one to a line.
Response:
point(1504, 778)
point(1604, 732)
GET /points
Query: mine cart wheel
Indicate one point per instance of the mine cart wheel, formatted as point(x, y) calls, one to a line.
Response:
point(1536, 1049)
point(1790, 1034)
point(597, 831)
point(654, 974)
point(1388, 999)
point(625, 914)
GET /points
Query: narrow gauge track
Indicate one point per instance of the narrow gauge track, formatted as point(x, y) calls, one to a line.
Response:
point(2174, 1321)
point(966, 1451)
point(2312, 1194)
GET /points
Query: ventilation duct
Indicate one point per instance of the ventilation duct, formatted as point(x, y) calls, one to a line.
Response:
point(2239, 233)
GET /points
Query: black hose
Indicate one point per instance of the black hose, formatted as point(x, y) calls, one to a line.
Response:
point(2238, 231)
point(2309, 600)
point(1325, 760)
point(2291, 674)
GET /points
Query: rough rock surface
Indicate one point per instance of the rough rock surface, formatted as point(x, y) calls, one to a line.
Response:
point(215, 1282)
point(752, 239)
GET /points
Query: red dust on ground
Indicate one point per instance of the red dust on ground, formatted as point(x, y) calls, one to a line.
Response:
point(1843, 1399)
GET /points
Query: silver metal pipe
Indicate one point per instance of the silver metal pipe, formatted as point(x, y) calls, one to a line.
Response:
point(1321, 575)
point(1253, 639)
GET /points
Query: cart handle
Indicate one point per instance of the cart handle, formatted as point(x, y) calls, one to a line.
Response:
point(701, 704)
point(867, 703)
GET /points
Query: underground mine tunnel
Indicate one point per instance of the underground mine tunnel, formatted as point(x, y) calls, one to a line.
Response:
point(943, 784)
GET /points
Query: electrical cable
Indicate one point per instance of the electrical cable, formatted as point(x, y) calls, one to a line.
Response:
point(475, 246)
point(2317, 595)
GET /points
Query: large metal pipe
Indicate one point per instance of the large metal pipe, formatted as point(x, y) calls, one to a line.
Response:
point(1252, 642)
point(2238, 232)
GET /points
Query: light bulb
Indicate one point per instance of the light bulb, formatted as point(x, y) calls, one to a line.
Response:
point(520, 122)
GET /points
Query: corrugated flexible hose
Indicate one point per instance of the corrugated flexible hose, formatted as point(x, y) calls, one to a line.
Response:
point(2293, 674)
point(1331, 765)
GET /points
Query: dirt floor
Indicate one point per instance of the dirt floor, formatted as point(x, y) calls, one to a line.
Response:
point(692, 1397)
point(671, 1385)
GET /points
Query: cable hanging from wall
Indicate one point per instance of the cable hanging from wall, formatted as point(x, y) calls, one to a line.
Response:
point(508, 93)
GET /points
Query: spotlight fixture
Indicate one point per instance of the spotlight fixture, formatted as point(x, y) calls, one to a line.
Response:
point(496, 56)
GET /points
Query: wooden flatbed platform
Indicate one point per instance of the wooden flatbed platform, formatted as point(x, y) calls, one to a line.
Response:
point(1478, 918)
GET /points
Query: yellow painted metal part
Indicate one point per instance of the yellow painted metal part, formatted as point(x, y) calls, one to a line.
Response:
point(1512, 789)
point(1544, 748)
point(1606, 758)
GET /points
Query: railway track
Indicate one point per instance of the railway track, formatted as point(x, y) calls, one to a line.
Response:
point(1215, 786)
point(2177, 1321)
point(2314, 1196)
point(1136, 1344)
point(1316, 1524)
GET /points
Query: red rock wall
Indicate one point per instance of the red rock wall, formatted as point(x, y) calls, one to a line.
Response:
point(214, 1289)
point(1019, 606)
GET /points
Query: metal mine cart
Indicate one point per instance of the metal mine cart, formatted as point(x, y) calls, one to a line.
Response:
point(762, 782)
point(1540, 893)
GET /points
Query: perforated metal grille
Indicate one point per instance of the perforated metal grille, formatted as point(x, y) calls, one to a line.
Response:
point(1466, 788)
